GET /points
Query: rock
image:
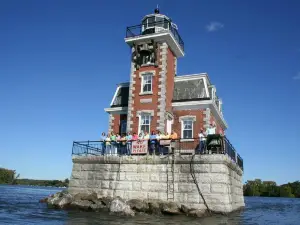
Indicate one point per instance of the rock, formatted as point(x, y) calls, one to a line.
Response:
point(84, 196)
point(106, 201)
point(96, 206)
point(65, 201)
point(120, 207)
point(185, 209)
point(197, 212)
point(138, 205)
point(53, 201)
point(170, 208)
point(154, 207)
point(81, 204)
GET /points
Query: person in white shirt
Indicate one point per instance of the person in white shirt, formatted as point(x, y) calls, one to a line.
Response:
point(202, 140)
point(211, 129)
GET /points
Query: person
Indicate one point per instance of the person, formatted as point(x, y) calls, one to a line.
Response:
point(113, 146)
point(152, 143)
point(202, 141)
point(158, 146)
point(102, 140)
point(123, 144)
point(108, 144)
point(166, 136)
point(146, 136)
point(128, 143)
point(118, 143)
point(173, 138)
point(173, 135)
point(211, 129)
point(135, 137)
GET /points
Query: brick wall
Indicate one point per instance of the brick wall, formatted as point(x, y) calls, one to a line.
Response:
point(197, 125)
point(162, 88)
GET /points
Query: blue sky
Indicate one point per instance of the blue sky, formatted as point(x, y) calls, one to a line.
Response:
point(60, 62)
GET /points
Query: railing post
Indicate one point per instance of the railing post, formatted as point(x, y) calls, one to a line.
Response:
point(236, 156)
point(87, 147)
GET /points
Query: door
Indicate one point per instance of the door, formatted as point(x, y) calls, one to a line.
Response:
point(169, 126)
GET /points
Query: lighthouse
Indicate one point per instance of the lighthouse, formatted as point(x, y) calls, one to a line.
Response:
point(156, 98)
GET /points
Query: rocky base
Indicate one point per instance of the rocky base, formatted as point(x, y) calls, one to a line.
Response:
point(91, 202)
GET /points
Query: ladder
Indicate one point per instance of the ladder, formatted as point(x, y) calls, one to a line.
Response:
point(170, 177)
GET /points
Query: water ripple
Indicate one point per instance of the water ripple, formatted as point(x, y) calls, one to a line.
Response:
point(19, 205)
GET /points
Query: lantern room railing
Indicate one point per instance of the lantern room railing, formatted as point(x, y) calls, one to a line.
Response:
point(215, 144)
point(153, 28)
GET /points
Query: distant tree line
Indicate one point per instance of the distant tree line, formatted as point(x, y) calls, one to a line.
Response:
point(11, 177)
point(258, 187)
point(8, 176)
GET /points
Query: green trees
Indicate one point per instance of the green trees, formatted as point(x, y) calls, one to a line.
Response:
point(11, 177)
point(270, 189)
point(8, 176)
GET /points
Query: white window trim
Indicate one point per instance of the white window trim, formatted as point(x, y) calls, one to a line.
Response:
point(141, 75)
point(187, 118)
point(140, 119)
point(139, 114)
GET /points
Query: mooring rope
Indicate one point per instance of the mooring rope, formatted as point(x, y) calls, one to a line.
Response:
point(195, 181)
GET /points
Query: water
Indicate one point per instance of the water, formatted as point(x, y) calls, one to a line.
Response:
point(19, 205)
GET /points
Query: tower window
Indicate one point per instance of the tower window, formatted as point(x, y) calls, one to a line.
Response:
point(147, 83)
point(146, 58)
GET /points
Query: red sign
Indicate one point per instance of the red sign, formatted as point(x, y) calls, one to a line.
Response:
point(139, 147)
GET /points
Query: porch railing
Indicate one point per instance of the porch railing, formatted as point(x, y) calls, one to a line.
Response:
point(215, 144)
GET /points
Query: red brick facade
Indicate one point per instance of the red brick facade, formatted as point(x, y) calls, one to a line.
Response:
point(197, 125)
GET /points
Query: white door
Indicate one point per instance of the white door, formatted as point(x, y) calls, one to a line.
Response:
point(169, 126)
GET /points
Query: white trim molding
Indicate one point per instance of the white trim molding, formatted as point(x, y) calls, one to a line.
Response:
point(139, 112)
point(117, 110)
point(146, 72)
point(187, 117)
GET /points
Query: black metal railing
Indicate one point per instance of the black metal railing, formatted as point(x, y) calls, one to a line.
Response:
point(152, 28)
point(214, 144)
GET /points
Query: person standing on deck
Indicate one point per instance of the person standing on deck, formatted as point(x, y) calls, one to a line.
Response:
point(173, 135)
point(113, 139)
point(128, 143)
point(152, 143)
point(202, 140)
point(108, 144)
point(211, 129)
point(102, 139)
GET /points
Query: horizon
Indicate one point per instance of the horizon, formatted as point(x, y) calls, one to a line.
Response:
point(54, 58)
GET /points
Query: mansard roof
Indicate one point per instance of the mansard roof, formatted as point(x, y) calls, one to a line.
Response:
point(186, 88)
point(120, 98)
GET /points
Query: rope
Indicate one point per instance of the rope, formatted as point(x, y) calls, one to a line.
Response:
point(195, 181)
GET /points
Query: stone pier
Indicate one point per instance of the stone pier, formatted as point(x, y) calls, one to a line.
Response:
point(167, 179)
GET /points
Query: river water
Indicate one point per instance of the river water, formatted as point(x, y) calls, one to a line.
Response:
point(19, 205)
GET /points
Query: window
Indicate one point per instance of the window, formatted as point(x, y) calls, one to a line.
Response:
point(146, 58)
point(187, 129)
point(146, 83)
point(144, 123)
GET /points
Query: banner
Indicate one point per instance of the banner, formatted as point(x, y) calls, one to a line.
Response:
point(139, 147)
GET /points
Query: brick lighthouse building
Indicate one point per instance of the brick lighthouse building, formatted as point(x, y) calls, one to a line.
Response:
point(156, 98)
